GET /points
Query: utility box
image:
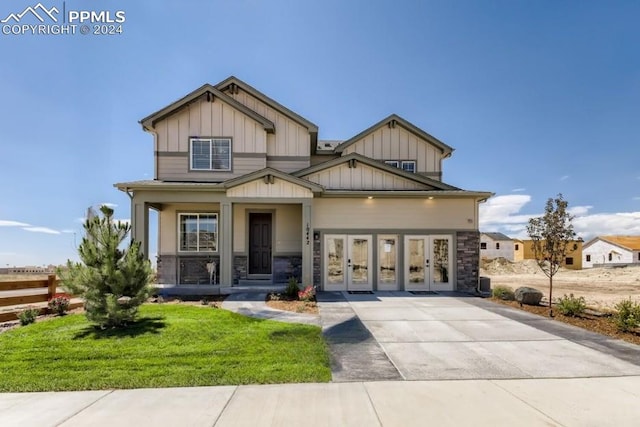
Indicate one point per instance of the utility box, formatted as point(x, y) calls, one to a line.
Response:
point(485, 286)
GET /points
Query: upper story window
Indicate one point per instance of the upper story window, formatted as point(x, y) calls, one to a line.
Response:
point(409, 166)
point(210, 154)
point(497, 245)
point(405, 165)
point(198, 232)
point(483, 245)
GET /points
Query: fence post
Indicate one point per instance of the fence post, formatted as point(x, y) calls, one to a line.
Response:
point(51, 287)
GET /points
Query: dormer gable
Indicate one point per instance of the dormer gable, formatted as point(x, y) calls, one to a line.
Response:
point(399, 142)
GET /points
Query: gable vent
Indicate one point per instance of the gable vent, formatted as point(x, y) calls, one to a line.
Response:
point(392, 124)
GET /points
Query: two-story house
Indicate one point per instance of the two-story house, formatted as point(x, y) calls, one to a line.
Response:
point(243, 185)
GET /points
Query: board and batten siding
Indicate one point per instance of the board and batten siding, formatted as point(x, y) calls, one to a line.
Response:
point(394, 214)
point(287, 226)
point(168, 223)
point(209, 119)
point(279, 189)
point(361, 177)
point(399, 144)
point(290, 137)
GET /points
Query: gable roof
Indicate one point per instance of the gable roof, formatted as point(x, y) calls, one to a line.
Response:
point(230, 81)
point(394, 120)
point(312, 186)
point(630, 243)
point(205, 90)
point(498, 236)
point(438, 185)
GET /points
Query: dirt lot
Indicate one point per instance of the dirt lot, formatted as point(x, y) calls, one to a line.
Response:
point(601, 287)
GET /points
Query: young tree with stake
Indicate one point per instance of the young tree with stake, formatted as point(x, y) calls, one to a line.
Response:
point(551, 235)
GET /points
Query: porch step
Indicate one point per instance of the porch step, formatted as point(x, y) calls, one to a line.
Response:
point(254, 282)
point(227, 290)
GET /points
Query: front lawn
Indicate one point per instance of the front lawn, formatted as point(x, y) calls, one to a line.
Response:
point(170, 346)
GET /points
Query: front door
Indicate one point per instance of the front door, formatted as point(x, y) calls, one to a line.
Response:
point(259, 243)
point(427, 261)
point(348, 262)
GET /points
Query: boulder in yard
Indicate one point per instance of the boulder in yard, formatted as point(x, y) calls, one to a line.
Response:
point(527, 295)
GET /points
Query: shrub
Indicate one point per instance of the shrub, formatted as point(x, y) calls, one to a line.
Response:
point(571, 306)
point(503, 292)
point(307, 294)
point(627, 315)
point(28, 315)
point(59, 304)
point(292, 288)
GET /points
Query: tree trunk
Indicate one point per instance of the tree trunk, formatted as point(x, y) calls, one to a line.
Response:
point(551, 295)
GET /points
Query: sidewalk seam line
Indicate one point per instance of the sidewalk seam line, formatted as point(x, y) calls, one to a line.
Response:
point(225, 406)
point(85, 408)
point(366, 390)
point(494, 382)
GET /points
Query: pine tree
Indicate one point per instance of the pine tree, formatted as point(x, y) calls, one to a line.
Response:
point(113, 282)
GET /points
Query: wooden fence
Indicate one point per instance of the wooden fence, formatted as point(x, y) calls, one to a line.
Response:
point(49, 283)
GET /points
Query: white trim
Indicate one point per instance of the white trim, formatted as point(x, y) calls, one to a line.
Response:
point(368, 286)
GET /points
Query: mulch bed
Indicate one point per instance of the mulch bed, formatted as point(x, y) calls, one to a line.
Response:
point(282, 302)
point(601, 323)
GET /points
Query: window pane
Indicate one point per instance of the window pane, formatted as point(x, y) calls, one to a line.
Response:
point(387, 261)
point(335, 261)
point(200, 154)
point(393, 163)
point(208, 232)
point(409, 166)
point(221, 154)
point(416, 261)
point(188, 232)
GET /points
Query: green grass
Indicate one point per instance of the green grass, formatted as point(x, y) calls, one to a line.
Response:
point(170, 346)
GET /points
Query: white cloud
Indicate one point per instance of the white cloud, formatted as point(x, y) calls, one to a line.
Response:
point(503, 213)
point(564, 177)
point(110, 205)
point(68, 231)
point(501, 210)
point(518, 190)
point(6, 223)
point(579, 210)
point(41, 230)
point(636, 198)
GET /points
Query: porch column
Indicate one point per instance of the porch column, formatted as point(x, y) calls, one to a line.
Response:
point(140, 224)
point(226, 247)
point(307, 244)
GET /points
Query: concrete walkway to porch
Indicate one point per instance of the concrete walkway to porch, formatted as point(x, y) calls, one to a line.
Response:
point(252, 304)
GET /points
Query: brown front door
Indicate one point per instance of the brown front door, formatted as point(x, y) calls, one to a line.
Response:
point(259, 243)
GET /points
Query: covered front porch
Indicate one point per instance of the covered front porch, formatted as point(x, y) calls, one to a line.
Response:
point(254, 230)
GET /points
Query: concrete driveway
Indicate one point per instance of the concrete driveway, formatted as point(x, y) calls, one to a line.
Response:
point(443, 337)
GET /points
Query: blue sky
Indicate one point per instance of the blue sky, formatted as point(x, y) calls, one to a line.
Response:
point(537, 97)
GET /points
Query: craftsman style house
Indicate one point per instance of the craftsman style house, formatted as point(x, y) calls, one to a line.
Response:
point(245, 193)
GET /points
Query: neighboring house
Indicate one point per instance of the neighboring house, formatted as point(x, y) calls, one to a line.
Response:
point(518, 250)
point(496, 245)
point(572, 260)
point(241, 187)
point(606, 250)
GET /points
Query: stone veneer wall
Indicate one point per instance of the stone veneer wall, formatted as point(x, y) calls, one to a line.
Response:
point(286, 267)
point(468, 260)
point(240, 268)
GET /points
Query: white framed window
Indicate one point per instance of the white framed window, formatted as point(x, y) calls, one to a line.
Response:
point(393, 163)
point(409, 166)
point(210, 154)
point(197, 232)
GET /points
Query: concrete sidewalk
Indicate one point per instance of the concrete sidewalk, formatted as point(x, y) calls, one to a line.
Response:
point(535, 402)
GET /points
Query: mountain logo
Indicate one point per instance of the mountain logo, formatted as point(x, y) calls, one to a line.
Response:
point(39, 11)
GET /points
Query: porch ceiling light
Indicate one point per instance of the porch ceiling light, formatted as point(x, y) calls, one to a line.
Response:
point(370, 197)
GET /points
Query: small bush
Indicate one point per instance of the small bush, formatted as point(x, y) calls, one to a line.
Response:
point(28, 315)
point(307, 294)
point(59, 304)
point(292, 288)
point(204, 301)
point(503, 292)
point(627, 315)
point(275, 297)
point(571, 306)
